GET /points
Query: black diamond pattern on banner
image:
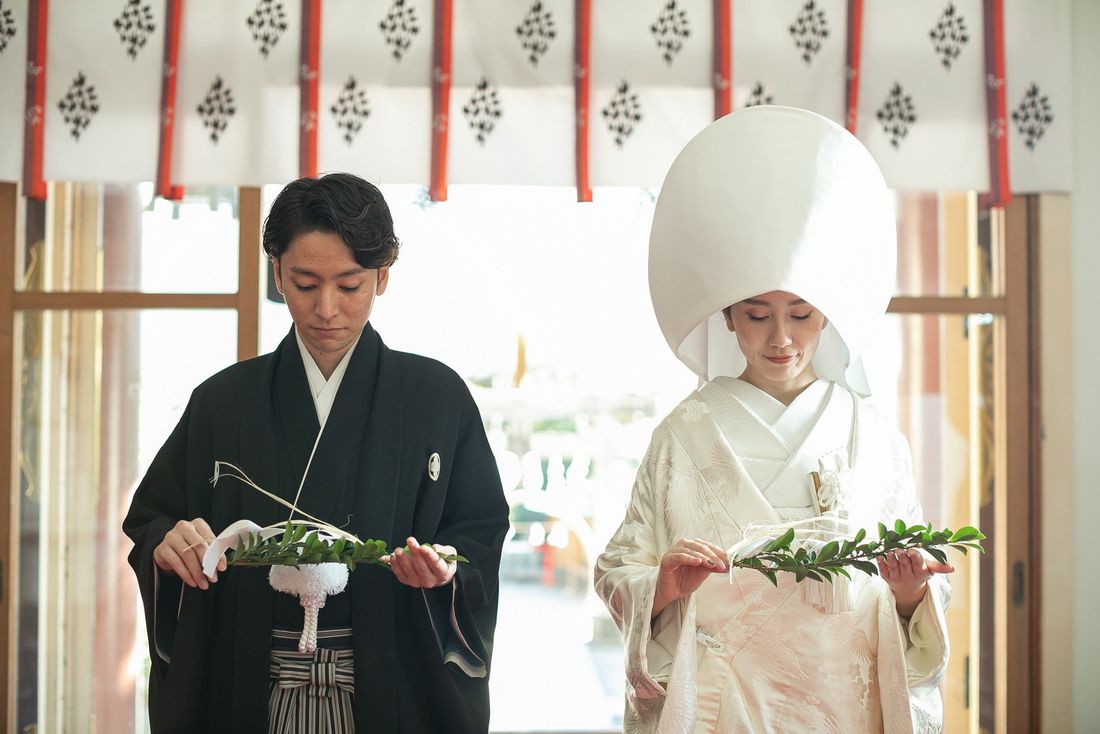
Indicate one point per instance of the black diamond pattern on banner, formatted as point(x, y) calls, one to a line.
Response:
point(536, 32)
point(267, 24)
point(134, 25)
point(351, 109)
point(809, 30)
point(949, 36)
point(897, 115)
point(670, 30)
point(399, 28)
point(482, 110)
point(758, 96)
point(217, 109)
point(79, 105)
point(7, 26)
point(623, 113)
point(1033, 115)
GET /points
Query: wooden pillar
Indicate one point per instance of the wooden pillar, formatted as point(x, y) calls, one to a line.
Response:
point(9, 199)
point(248, 274)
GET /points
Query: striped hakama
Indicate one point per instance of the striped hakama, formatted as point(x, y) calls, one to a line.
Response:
point(311, 693)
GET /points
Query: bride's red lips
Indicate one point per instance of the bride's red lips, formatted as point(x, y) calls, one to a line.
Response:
point(780, 360)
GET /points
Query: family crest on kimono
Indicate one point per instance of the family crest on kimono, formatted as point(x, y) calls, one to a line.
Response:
point(772, 258)
point(379, 443)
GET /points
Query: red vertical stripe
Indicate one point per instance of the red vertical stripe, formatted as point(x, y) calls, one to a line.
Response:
point(582, 48)
point(173, 13)
point(855, 54)
point(723, 59)
point(441, 98)
point(309, 87)
point(34, 119)
point(995, 103)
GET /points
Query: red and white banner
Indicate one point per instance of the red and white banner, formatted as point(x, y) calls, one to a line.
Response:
point(791, 52)
point(541, 92)
point(237, 95)
point(375, 112)
point(13, 64)
point(1039, 95)
point(922, 103)
point(511, 110)
point(652, 86)
point(103, 90)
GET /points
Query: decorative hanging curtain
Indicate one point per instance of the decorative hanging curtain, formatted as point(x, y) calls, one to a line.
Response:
point(960, 94)
point(13, 83)
point(173, 19)
point(309, 87)
point(922, 102)
point(237, 94)
point(652, 71)
point(1038, 82)
point(103, 90)
point(511, 106)
point(791, 53)
point(375, 112)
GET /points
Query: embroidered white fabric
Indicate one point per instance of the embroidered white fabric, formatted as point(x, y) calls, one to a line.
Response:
point(690, 485)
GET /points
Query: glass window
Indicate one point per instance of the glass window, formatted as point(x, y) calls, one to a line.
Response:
point(99, 392)
point(935, 375)
point(943, 246)
point(115, 237)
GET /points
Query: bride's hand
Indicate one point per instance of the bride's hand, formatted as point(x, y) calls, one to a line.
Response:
point(907, 573)
point(684, 567)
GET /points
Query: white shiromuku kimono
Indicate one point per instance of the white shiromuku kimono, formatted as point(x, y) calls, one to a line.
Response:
point(740, 655)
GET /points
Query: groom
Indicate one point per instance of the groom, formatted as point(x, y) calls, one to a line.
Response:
point(402, 457)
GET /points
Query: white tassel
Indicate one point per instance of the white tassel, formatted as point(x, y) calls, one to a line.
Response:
point(312, 605)
point(312, 584)
point(831, 598)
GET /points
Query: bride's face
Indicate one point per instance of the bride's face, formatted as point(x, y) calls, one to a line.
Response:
point(778, 333)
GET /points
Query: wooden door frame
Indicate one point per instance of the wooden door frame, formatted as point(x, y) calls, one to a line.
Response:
point(1019, 506)
point(1016, 544)
point(10, 241)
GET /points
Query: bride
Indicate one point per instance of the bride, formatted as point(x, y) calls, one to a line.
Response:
point(772, 256)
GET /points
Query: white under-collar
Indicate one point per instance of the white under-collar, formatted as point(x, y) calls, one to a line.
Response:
point(321, 390)
point(793, 422)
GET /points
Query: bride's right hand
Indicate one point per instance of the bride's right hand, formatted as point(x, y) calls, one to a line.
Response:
point(684, 568)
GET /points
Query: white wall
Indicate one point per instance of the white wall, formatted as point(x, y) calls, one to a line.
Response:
point(1085, 350)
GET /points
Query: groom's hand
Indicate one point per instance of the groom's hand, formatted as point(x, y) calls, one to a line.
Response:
point(182, 549)
point(422, 567)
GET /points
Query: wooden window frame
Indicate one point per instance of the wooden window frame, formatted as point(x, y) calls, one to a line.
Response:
point(1015, 541)
point(246, 302)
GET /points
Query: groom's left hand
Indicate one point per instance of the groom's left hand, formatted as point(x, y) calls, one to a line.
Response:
point(421, 567)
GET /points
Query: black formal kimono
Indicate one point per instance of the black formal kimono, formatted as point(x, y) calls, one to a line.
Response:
point(370, 475)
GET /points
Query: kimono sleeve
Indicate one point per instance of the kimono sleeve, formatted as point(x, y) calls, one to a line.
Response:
point(474, 521)
point(927, 646)
point(159, 502)
point(626, 579)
